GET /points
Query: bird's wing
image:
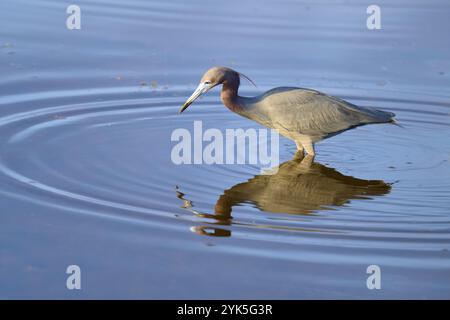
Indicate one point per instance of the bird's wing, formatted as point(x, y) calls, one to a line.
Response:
point(313, 113)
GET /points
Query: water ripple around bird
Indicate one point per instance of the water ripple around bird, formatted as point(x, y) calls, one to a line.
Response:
point(113, 152)
point(86, 175)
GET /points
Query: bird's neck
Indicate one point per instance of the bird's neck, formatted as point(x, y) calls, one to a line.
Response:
point(229, 97)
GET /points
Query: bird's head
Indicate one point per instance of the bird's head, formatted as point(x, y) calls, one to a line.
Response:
point(213, 77)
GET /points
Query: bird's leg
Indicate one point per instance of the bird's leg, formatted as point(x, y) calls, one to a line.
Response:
point(306, 162)
point(309, 147)
point(299, 146)
point(299, 154)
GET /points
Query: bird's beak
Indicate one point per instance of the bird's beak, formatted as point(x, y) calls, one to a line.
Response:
point(202, 88)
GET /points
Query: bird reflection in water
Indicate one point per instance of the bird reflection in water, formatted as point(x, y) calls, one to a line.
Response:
point(300, 186)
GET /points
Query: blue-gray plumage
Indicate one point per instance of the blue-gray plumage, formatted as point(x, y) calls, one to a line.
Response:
point(303, 115)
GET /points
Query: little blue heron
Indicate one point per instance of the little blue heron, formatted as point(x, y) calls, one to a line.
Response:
point(303, 115)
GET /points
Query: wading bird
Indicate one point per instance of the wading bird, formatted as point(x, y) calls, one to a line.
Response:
point(303, 115)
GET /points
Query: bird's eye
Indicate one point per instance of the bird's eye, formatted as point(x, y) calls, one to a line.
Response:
point(207, 82)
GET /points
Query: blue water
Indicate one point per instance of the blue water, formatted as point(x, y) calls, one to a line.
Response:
point(86, 176)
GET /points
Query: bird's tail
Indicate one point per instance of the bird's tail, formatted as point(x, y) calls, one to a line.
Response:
point(395, 122)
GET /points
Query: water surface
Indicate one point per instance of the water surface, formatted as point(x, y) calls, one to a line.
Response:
point(86, 176)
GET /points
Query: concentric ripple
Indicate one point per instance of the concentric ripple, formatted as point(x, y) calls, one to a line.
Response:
point(86, 175)
point(379, 186)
